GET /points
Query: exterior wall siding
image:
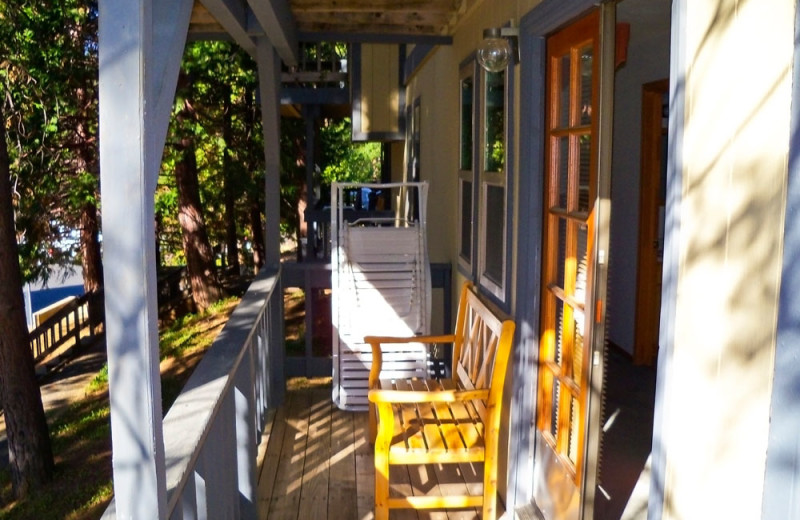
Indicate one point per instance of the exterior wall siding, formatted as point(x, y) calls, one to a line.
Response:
point(716, 374)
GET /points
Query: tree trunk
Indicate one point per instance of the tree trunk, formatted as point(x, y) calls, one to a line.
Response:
point(206, 288)
point(91, 262)
point(257, 227)
point(231, 240)
point(30, 454)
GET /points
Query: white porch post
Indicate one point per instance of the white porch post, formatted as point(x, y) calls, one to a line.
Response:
point(269, 89)
point(269, 86)
point(136, 91)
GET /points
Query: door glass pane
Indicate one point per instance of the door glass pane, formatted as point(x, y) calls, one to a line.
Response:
point(494, 156)
point(581, 261)
point(466, 123)
point(563, 171)
point(495, 224)
point(466, 220)
point(559, 331)
point(577, 346)
point(554, 408)
point(586, 85)
point(574, 423)
point(584, 175)
point(563, 91)
point(562, 253)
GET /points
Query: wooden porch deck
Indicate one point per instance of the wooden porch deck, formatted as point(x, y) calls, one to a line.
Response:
point(318, 464)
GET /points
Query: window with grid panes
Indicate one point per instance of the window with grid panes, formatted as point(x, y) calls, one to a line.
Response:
point(493, 175)
point(466, 173)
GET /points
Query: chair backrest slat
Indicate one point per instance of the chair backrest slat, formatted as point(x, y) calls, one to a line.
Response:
point(483, 338)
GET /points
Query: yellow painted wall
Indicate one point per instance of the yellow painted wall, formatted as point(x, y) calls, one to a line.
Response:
point(737, 85)
point(437, 86)
point(379, 88)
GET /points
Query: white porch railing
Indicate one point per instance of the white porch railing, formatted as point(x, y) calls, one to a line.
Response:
point(212, 429)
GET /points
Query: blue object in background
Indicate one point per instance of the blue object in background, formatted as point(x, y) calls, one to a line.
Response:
point(44, 297)
point(62, 283)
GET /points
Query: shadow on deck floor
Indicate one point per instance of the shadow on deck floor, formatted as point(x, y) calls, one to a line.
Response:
point(318, 463)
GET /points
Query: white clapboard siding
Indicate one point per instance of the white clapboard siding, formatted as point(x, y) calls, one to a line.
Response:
point(381, 286)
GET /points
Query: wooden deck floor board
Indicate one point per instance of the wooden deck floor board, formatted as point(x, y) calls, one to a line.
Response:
point(342, 491)
point(269, 467)
point(285, 500)
point(318, 465)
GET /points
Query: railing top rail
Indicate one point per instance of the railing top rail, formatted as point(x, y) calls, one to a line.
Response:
point(63, 312)
point(188, 422)
point(384, 185)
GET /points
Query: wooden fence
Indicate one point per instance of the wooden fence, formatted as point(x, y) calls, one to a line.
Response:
point(79, 319)
point(82, 318)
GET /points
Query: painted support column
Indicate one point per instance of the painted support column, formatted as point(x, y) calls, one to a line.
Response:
point(269, 89)
point(310, 117)
point(782, 479)
point(136, 89)
point(128, 184)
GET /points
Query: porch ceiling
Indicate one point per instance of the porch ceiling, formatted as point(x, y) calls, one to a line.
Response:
point(394, 17)
point(352, 20)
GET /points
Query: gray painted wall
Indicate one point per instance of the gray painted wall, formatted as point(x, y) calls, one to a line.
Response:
point(648, 60)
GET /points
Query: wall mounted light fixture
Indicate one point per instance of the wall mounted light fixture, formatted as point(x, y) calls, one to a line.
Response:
point(499, 47)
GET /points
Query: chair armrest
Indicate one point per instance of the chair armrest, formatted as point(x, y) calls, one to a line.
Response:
point(423, 396)
point(439, 338)
point(375, 343)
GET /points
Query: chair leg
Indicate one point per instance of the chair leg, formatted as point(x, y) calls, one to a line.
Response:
point(489, 489)
point(381, 483)
point(373, 424)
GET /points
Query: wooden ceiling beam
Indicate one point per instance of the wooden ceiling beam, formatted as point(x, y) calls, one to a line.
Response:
point(376, 18)
point(345, 6)
point(277, 22)
point(368, 28)
point(284, 22)
point(232, 15)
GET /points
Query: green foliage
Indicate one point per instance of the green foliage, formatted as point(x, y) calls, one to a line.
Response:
point(82, 482)
point(81, 432)
point(217, 88)
point(348, 161)
point(339, 159)
point(189, 332)
point(495, 122)
point(48, 73)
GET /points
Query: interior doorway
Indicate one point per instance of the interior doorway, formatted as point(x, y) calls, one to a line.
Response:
point(655, 109)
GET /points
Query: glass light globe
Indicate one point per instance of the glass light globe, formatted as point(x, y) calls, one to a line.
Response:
point(494, 54)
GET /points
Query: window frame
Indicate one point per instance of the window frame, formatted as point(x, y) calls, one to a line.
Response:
point(412, 154)
point(473, 268)
point(492, 178)
point(466, 265)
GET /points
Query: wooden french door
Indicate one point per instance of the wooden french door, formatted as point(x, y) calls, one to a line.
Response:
point(569, 310)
